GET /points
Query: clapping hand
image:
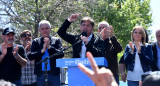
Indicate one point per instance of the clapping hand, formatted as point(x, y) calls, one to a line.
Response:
point(15, 51)
point(107, 32)
point(28, 46)
point(3, 49)
point(138, 45)
point(132, 47)
point(46, 44)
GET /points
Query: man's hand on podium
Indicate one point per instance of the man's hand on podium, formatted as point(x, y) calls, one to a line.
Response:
point(101, 77)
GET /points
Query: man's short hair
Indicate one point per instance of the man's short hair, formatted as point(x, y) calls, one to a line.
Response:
point(44, 22)
point(157, 30)
point(103, 22)
point(151, 80)
point(88, 19)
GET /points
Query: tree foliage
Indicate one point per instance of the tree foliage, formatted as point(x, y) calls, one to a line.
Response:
point(123, 15)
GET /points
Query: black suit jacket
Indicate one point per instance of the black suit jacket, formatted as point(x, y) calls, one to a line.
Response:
point(112, 48)
point(37, 46)
point(155, 58)
point(95, 45)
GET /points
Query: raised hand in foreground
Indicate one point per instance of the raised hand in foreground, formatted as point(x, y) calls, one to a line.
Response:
point(101, 77)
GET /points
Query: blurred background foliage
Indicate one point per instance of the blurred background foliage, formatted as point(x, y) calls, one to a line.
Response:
point(123, 15)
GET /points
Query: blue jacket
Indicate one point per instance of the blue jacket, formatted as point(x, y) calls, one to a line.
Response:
point(146, 57)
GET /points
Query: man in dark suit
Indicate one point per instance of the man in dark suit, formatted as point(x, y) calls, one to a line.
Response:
point(156, 49)
point(43, 47)
point(81, 44)
point(112, 47)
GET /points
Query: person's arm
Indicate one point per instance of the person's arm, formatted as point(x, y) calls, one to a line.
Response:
point(122, 71)
point(122, 68)
point(20, 55)
point(116, 44)
point(56, 48)
point(146, 54)
point(128, 56)
point(1, 57)
point(101, 77)
point(35, 50)
point(3, 51)
point(62, 32)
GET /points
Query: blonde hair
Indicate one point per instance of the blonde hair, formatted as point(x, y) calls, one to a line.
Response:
point(142, 32)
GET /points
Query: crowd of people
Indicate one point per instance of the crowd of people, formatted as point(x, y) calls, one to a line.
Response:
point(27, 64)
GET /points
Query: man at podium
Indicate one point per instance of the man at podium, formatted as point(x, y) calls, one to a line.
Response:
point(84, 42)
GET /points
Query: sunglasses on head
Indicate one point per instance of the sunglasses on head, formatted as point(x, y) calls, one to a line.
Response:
point(26, 35)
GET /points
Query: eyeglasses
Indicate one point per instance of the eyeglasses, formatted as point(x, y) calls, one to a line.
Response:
point(26, 35)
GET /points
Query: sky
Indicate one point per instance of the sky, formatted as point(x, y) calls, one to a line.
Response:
point(155, 6)
point(155, 10)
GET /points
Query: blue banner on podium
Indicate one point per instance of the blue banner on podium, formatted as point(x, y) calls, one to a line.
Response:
point(75, 76)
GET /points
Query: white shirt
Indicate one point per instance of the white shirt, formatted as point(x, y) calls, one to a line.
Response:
point(83, 49)
point(137, 72)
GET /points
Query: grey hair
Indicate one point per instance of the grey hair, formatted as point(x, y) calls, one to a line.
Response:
point(103, 22)
point(44, 22)
point(158, 29)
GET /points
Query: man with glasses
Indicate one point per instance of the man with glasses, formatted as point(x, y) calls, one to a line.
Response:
point(28, 76)
point(81, 43)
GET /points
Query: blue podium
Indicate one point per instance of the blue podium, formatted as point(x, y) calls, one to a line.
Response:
point(75, 76)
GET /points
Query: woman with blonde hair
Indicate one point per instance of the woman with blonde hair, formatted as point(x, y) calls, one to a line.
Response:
point(138, 56)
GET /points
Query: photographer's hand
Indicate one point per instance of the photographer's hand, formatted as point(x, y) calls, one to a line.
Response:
point(101, 77)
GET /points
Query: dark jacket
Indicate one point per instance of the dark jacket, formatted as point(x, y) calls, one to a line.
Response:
point(37, 46)
point(112, 48)
point(10, 69)
point(95, 45)
point(146, 57)
point(155, 58)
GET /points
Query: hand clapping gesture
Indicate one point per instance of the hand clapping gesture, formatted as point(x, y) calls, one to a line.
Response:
point(3, 49)
point(15, 52)
point(27, 48)
point(107, 32)
point(138, 46)
point(101, 77)
point(46, 44)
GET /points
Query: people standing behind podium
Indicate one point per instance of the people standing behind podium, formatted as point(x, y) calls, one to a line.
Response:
point(28, 77)
point(112, 47)
point(12, 58)
point(138, 56)
point(156, 49)
point(43, 47)
point(80, 43)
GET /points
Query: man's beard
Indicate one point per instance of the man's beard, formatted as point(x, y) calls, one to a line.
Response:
point(27, 40)
point(10, 41)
